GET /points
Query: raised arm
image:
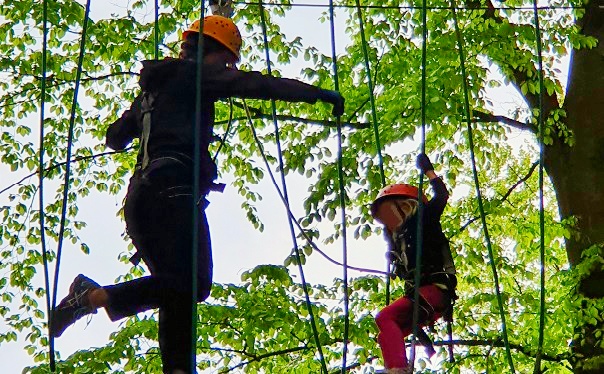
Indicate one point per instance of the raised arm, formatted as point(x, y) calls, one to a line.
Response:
point(438, 203)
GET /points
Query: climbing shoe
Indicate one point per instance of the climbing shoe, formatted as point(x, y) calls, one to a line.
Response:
point(74, 306)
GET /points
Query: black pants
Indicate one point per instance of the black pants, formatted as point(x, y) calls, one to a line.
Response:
point(158, 214)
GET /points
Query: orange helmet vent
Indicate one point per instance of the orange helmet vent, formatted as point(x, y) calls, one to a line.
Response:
point(221, 29)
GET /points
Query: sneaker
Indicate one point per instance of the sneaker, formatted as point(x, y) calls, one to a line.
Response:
point(74, 306)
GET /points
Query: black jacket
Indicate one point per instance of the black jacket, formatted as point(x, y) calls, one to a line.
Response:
point(433, 238)
point(173, 84)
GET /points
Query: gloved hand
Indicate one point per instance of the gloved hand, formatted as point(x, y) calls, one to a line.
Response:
point(423, 163)
point(334, 98)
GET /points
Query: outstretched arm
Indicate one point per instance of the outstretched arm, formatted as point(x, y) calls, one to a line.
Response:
point(231, 82)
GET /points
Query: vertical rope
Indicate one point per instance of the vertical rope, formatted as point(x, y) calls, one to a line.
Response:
point(468, 113)
point(537, 368)
point(342, 190)
point(156, 30)
point(286, 196)
point(374, 119)
point(67, 179)
point(196, 187)
point(420, 210)
point(51, 340)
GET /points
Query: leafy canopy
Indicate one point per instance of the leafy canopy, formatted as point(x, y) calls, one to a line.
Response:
point(261, 324)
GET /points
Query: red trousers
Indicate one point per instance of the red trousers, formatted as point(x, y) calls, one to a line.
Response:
point(395, 322)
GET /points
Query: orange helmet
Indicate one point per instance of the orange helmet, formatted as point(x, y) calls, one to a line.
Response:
point(221, 29)
point(396, 190)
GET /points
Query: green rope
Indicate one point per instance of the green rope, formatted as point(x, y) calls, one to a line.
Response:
point(67, 179)
point(420, 210)
point(196, 194)
point(225, 136)
point(374, 119)
point(342, 191)
point(156, 30)
point(477, 183)
point(286, 196)
point(537, 368)
point(51, 340)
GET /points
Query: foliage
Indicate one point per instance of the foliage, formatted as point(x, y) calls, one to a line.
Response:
point(261, 325)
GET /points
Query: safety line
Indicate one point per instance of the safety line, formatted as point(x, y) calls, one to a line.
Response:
point(374, 119)
point(420, 209)
point(226, 134)
point(478, 193)
point(409, 7)
point(70, 136)
point(342, 190)
point(285, 203)
point(156, 30)
point(51, 341)
point(196, 193)
point(286, 195)
point(537, 368)
point(308, 239)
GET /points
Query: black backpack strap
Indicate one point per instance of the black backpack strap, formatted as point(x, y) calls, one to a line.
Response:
point(447, 257)
point(146, 109)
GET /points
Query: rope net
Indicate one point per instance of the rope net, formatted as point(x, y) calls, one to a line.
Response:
point(370, 58)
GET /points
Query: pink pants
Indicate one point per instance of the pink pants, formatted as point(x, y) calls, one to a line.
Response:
point(395, 322)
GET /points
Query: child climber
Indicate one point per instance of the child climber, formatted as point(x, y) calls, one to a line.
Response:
point(396, 207)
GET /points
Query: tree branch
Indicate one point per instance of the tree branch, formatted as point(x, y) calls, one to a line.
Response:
point(258, 114)
point(266, 355)
point(52, 167)
point(503, 198)
point(6, 99)
point(489, 117)
point(517, 76)
point(499, 343)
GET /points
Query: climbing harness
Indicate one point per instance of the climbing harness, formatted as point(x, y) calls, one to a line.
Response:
point(146, 109)
point(445, 279)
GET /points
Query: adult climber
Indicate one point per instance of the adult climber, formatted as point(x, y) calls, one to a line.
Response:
point(159, 202)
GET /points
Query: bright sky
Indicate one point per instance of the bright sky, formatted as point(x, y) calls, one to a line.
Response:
point(237, 245)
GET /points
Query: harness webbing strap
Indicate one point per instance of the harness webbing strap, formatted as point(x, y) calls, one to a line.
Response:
point(447, 256)
point(146, 109)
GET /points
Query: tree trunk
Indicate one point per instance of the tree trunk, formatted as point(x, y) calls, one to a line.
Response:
point(577, 174)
